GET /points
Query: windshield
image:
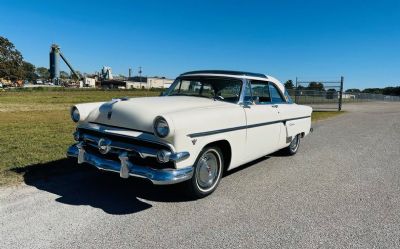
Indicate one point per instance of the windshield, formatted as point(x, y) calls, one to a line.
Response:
point(224, 89)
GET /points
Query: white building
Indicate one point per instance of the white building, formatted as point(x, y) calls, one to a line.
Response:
point(152, 82)
point(89, 82)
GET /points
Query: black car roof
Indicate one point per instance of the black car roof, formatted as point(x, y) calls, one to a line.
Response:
point(260, 75)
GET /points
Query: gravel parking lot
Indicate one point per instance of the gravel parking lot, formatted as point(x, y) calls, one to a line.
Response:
point(342, 190)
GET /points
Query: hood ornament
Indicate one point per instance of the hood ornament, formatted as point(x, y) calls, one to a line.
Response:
point(109, 114)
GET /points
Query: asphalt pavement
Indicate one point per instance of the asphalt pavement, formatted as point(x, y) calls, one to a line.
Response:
point(342, 190)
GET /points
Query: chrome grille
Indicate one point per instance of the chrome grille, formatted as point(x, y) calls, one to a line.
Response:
point(140, 152)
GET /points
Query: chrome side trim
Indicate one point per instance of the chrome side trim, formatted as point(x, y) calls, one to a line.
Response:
point(125, 168)
point(207, 133)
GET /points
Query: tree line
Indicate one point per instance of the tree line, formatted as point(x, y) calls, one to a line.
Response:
point(394, 91)
point(317, 86)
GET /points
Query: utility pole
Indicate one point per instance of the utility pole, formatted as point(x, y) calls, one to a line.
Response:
point(140, 76)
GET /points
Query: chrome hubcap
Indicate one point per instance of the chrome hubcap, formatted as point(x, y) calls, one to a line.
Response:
point(294, 144)
point(207, 170)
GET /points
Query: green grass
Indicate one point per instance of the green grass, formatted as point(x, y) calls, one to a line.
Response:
point(35, 127)
point(321, 115)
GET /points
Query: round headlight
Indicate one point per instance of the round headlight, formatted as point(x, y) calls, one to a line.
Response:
point(161, 127)
point(75, 116)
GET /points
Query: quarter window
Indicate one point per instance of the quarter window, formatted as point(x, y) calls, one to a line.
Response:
point(276, 97)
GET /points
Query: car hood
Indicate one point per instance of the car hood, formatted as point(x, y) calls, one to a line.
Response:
point(139, 113)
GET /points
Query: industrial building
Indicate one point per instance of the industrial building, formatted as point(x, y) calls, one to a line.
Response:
point(149, 82)
point(105, 78)
point(138, 83)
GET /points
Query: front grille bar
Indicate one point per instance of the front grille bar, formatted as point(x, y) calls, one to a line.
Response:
point(143, 152)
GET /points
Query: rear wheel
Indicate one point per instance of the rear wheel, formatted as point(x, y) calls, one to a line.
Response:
point(207, 173)
point(293, 146)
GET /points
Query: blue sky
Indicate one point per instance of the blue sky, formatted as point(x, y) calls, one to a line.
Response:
point(309, 39)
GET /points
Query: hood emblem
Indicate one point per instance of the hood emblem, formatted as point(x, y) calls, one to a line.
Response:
point(104, 145)
point(109, 114)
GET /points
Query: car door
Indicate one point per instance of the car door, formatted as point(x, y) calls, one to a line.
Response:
point(263, 128)
point(295, 122)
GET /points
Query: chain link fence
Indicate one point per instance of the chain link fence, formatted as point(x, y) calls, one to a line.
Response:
point(325, 100)
point(330, 95)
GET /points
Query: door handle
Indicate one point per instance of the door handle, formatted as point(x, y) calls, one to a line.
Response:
point(274, 106)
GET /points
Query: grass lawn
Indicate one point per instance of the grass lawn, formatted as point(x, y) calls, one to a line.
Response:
point(35, 126)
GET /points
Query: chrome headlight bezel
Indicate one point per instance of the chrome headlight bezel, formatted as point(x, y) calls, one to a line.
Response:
point(75, 115)
point(161, 127)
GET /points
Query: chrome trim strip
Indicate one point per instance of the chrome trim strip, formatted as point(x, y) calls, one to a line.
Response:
point(125, 136)
point(124, 167)
point(207, 133)
point(119, 127)
point(290, 119)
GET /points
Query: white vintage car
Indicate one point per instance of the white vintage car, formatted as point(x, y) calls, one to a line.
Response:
point(206, 123)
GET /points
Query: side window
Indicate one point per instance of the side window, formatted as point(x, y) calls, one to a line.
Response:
point(276, 97)
point(260, 92)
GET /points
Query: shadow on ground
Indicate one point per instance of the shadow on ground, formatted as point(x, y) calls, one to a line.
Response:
point(86, 185)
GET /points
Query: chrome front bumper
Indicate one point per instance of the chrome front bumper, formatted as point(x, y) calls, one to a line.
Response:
point(126, 168)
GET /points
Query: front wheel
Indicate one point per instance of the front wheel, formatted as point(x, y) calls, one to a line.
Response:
point(293, 146)
point(207, 173)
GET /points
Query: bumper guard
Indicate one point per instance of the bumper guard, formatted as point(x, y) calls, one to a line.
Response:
point(125, 168)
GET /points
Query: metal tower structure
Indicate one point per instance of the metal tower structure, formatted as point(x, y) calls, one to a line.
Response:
point(55, 53)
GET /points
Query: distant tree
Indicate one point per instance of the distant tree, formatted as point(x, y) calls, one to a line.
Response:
point(316, 86)
point(289, 84)
point(11, 60)
point(373, 90)
point(394, 91)
point(28, 71)
point(43, 72)
point(353, 90)
point(300, 87)
point(64, 75)
point(331, 94)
